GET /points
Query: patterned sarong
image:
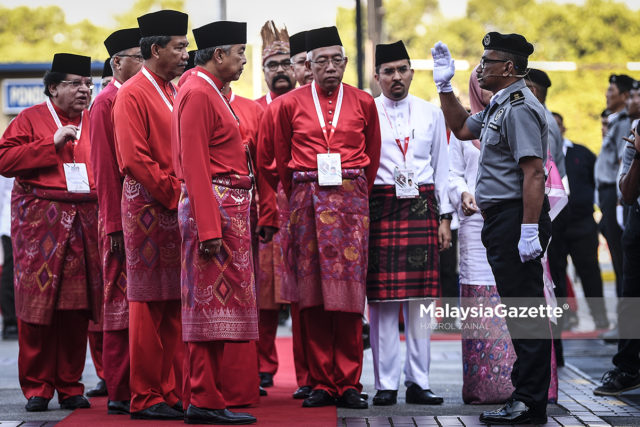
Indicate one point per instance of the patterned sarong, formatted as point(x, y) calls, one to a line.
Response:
point(274, 275)
point(152, 243)
point(218, 295)
point(114, 274)
point(403, 248)
point(487, 352)
point(55, 246)
point(329, 236)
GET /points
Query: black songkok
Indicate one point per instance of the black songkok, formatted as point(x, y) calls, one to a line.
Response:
point(163, 23)
point(220, 33)
point(511, 43)
point(391, 52)
point(322, 37)
point(622, 81)
point(69, 63)
point(106, 69)
point(122, 40)
point(538, 77)
point(297, 43)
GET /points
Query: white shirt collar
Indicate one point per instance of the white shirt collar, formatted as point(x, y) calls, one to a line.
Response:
point(392, 103)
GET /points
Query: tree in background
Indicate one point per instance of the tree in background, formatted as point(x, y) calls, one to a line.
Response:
point(600, 36)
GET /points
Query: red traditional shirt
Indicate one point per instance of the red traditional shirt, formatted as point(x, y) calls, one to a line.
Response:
point(267, 99)
point(298, 137)
point(103, 157)
point(28, 153)
point(206, 142)
point(142, 125)
point(250, 113)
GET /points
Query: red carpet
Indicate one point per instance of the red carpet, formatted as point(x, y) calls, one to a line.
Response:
point(276, 409)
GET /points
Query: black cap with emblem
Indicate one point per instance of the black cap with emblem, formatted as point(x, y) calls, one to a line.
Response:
point(512, 43)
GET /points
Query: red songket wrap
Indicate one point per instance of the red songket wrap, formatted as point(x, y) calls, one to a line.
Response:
point(218, 295)
point(329, 239)
point(114, 275)
point(152, 242)
point(55, 245)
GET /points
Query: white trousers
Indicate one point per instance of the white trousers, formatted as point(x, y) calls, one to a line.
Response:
point(385, 343)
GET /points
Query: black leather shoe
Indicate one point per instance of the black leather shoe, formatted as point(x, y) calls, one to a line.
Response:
point(178, 406)
point(318, 398)
point(352, 399)
point(422, 397)
point(159, 411)
point(385, 397)
point(10, 332)
point(195, 415)
point(99, 390)
point(118, 407)
point(75, 402)
point(266, 379)
point(263, 392)
point(302, 392)
point(37, 404)
point(513, 412)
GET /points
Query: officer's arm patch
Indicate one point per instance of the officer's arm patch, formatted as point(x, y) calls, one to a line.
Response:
point(516, 98)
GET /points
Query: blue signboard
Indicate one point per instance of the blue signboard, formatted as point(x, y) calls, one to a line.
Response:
point(18, 94)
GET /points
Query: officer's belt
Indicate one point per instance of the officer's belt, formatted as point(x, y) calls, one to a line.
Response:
point(499, 207)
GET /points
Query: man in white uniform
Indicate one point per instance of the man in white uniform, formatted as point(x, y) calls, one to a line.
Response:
point(410, 222)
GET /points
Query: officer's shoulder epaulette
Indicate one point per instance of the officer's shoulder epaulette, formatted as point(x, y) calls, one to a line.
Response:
point(516, 98)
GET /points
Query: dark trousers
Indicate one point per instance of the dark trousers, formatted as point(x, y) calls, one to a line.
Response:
point(449, 269)
point(627, 357)
point(531, 372)
point(7, 302)
point(609, 227)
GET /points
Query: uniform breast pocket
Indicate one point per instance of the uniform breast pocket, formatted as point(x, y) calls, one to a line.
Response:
point(491, 137)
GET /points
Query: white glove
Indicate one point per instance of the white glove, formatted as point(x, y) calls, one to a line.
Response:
point(443, 67)
point(529, 244)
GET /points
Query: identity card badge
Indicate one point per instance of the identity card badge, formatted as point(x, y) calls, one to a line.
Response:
point(406, 187)
point(77, 178)
point(329, 169)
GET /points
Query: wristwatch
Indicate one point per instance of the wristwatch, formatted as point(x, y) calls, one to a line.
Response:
point(446, 216)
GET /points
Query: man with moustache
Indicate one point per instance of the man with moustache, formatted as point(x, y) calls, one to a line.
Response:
point(55, 235)
point(327, 149)
point(510, 193)
point(142, 125)
point(410, 221)
point(125, 61)
point(282, 272)
point(279, 77)
point(217, 280)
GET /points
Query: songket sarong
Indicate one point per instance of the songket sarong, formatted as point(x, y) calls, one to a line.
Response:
point(403, 245)
point(329, 241)
point(487, 351)
point(152, 243)
point(114, 274)
point(55, 246)
point(273, 273)
point(218, 294)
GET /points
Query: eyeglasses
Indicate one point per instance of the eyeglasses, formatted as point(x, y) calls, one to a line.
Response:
point(138, 58)
point(391, 71)
point(299, 63)
point(485, 61)
point(77, 83)
point(336, 61)
point(273, 65)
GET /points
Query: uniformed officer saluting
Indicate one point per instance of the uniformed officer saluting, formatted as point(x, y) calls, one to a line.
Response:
point(510, 192)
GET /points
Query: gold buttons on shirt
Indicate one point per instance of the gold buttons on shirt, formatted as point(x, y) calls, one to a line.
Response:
point(329, 121)
point(330, 112)
point(330, 102)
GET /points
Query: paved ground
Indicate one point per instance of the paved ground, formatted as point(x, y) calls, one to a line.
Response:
point(586, 361)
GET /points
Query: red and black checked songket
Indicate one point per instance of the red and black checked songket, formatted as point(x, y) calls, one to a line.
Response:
point(403, 245)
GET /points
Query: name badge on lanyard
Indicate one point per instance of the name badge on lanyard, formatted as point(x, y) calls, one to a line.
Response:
point(404, 178)
point(329, 164)
point(75, 173)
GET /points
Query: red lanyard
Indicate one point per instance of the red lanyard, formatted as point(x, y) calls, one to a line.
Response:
point(405, 148)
